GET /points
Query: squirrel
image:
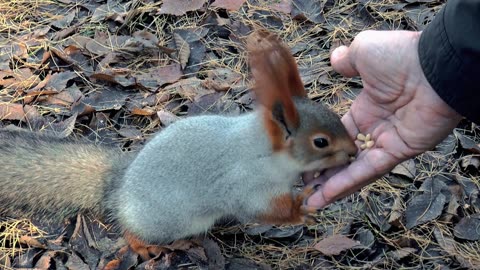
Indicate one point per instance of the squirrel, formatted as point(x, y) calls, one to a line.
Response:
point(195, 171)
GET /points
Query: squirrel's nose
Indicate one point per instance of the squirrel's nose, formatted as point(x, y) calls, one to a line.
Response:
point(350, 148)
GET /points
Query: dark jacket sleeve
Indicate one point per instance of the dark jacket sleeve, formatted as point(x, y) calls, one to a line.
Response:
point(449, 51)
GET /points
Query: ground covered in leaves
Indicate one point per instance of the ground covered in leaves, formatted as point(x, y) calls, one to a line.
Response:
point(117, 71)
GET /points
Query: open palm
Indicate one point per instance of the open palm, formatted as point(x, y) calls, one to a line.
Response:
point(397, 106)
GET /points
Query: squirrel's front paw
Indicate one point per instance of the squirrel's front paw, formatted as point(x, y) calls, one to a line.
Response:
point(306, 210)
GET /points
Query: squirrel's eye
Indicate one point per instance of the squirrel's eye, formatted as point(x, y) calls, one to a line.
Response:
point(320, 142)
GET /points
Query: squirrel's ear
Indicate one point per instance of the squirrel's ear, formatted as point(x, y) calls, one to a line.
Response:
point(277, 81)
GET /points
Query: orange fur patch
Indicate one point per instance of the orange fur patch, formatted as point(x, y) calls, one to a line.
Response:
point(277, 80)
point(289, 209)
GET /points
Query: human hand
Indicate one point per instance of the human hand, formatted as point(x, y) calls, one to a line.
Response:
point(397, 106)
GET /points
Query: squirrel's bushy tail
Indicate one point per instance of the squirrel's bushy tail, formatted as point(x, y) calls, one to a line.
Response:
point(43, 174)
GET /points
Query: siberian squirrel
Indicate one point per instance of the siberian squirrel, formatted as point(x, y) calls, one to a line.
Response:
point(192, 173)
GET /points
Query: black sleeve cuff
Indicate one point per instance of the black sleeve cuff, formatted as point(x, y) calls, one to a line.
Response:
point(449, 52)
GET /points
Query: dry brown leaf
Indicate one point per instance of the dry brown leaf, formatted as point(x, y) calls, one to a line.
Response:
point(53, 84)
point(470, 161)
point(406, 168)
point(428, 205)
point(284, 6)
point(396, 213)
point(311, 10)
point(452, 209)
point(221, 79)
point(166, 117)
point(181, 245)
point(12, 111)
point(188, 88)
point(45, 261)
point(468, 228)
point(231, 5)
point(401, 253)
point(65, 32)
point(20, 79)
point(467, 143)
point(156, 77)
point(335, 244)
point(31, 242)
point(180, 7)
point(143, 111)
point(183, 50)
point(449, 246)
point(115, 75)
point(64, 21)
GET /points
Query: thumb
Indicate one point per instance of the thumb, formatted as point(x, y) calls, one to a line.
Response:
point(341, 60)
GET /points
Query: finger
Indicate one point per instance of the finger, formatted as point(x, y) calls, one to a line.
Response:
point(342, 62)
point(359, 173)
point(350, 125)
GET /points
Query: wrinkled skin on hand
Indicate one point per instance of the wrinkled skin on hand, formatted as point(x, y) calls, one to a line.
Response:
point(397, 106)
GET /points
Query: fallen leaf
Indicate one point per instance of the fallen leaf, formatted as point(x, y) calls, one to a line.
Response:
point(119, 76)
point(468, 228)
point(45, 261)
point(188, 88)
point(182, 244)
point(401, 253)
point(396, 213)
point(183, 50)
point(74, 262)
point(79, 243)
point(365, 237)
point(448, 145)
point(467, 143)
point(193, 37)
point(31, 242)
point(222, 79)
point(449, 246)
point(284, 232)
point(112, 10)
point(166, 117)
point(145, 111)
point(336, 244)
point(54, 84)
point(130, 133)
point(311, 10)
point(214, 254)
point(231, 5)
point(406, 168)
point(427, 206)
point(379, 210)
point(470, 161)
point(245, 264)
point(180, 7)
point(284, 6)
point(65, 32)
point(106, 99)
point(18, 80)
point(216, 102)
point(73, 55)
point(15, 111)
point(452, 209)
point(152, 79)
point(26, 259)
point(65, 21)
point(64, 128)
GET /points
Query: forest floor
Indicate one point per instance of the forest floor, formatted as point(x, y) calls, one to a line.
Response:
point(115, 72)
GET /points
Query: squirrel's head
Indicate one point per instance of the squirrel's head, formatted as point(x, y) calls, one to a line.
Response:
point(310, 132)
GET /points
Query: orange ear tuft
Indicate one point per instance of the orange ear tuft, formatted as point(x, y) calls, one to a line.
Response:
point(277, 80)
